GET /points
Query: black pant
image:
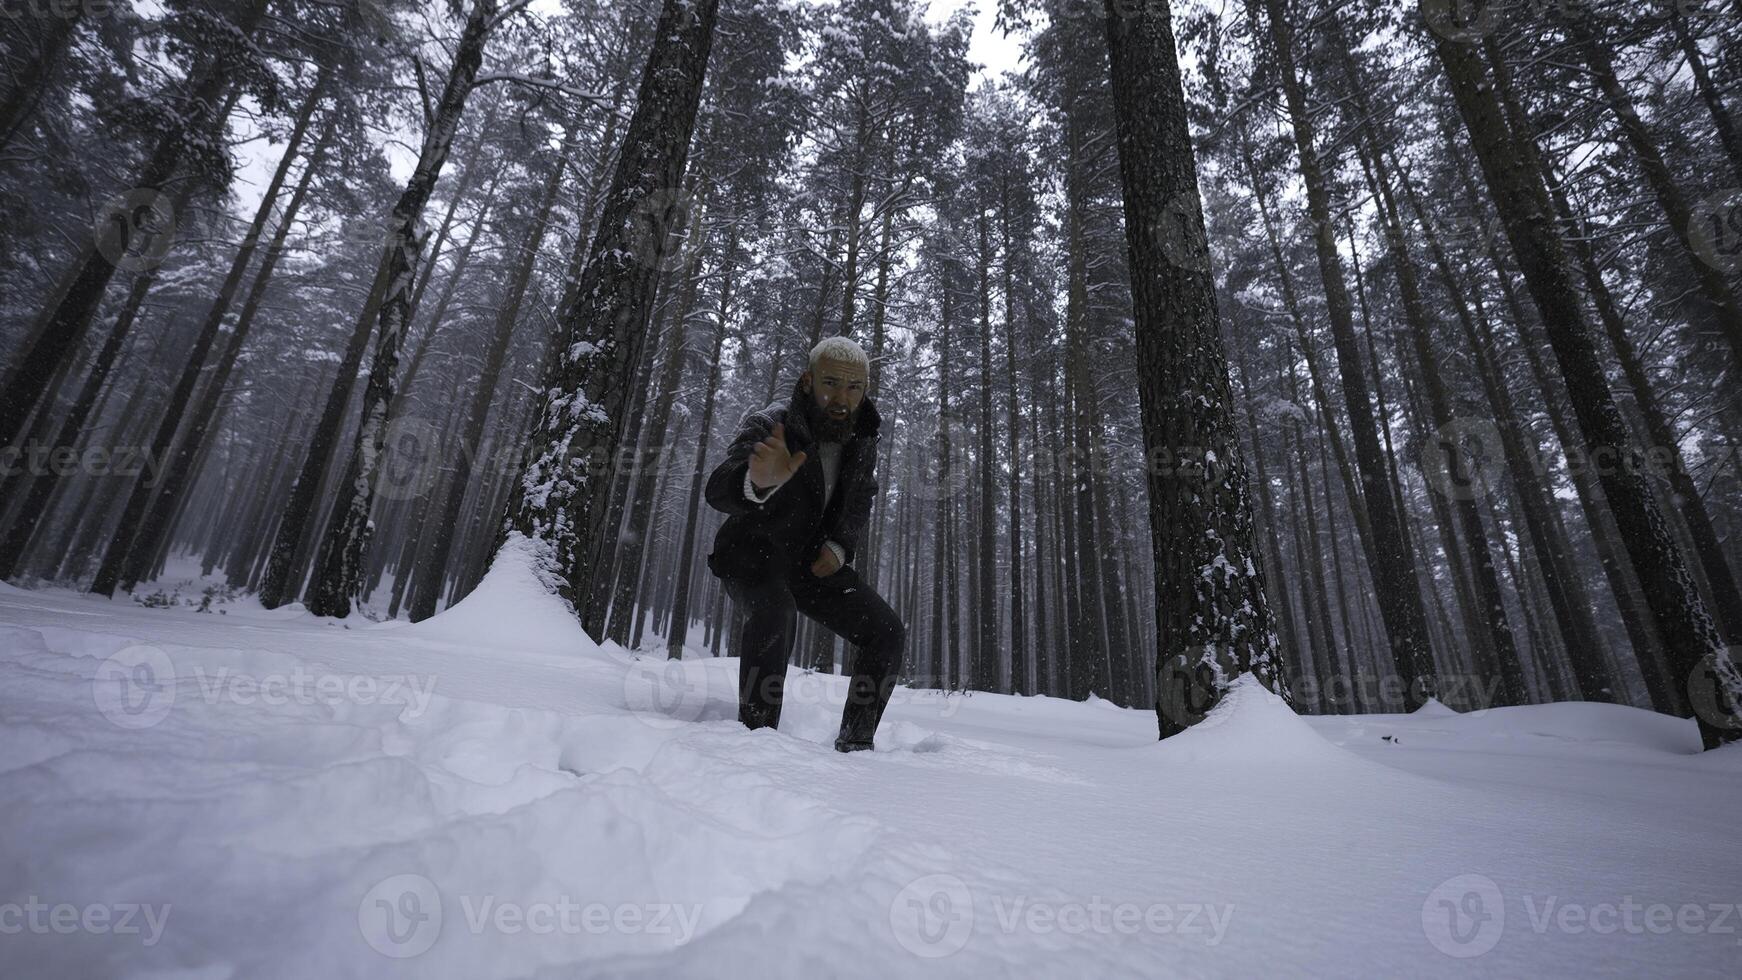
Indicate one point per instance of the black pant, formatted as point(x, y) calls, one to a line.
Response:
point(844, 604)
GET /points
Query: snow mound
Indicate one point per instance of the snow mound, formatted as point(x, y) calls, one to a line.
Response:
point(1561, 729)
point(515, 607)
point(1251, 725)
point(10, 589)
point(472, 811)
point(1096, 701)
point(1587, 721)
point(1724, 758)
point(1434, 708)
point(905, 736)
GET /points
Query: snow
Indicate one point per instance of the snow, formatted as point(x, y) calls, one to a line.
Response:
point(513, 607)
point(1252, 728)
point(489, 794)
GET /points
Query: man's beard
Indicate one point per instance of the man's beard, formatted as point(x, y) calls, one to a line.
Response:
point(828, 428)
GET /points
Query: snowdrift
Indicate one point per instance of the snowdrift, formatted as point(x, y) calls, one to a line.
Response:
point(1251, 726)
point(468, 798)
point(514, 607)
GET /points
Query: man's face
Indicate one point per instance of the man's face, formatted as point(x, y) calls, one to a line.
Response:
point(838, 388)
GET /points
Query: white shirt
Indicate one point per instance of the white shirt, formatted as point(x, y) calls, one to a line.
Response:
point(829, 455)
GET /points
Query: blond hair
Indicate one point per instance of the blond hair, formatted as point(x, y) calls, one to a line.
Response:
point(840, 349)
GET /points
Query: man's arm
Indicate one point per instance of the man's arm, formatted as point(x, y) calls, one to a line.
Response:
point(729, 489)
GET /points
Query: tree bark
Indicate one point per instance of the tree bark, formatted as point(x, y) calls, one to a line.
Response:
point(1514, 176)
point(429, 585)
point(345, 550)
point(117, 566)
point(1393, 571)
point(157, 523)
point(1212, 613)
point(63, 329)
point(599, 338)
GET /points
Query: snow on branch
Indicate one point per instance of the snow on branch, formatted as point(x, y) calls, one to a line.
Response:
point(592, 98)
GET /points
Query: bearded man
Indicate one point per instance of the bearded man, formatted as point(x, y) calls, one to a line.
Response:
point(797, 483)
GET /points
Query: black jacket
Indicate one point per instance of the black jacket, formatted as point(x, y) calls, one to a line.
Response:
point(785, 532)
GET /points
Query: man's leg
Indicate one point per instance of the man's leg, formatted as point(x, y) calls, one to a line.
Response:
point(767, 642)
point(857, 614)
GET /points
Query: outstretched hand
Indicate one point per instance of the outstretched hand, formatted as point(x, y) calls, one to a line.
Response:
point(770, 462)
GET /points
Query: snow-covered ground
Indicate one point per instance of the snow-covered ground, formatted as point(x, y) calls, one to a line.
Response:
point(249, 794)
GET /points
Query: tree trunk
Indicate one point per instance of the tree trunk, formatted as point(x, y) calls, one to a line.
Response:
point(1087, 655)
point(1452, 454)
point(119, 566)
point(1013, 431)
point(599, 338)
point(1045, 590)
point(678, 634)
point(156, 527)
point(1725, 595)
point(429, 585)
point(35, 505)
point(1566, 593)
point(1513, 173)
point(63, 330)
point(988, 653)
point(1213, 616)
point(634, 539)
point(1723, 304)
point(1269, 530)
point(1666, 694)
point(344, 552)
point(1393, 571)
point(1315, 375)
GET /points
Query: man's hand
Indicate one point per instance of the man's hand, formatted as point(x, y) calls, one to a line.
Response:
point(770, 463)
point(826, 564)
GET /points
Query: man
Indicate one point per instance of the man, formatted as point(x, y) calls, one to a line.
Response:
point(797, 482)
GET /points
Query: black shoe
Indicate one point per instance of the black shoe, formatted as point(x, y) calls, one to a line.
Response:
point(758, 716)
point(860, 715)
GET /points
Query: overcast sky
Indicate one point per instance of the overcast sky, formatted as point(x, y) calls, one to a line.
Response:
point(990, 48)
